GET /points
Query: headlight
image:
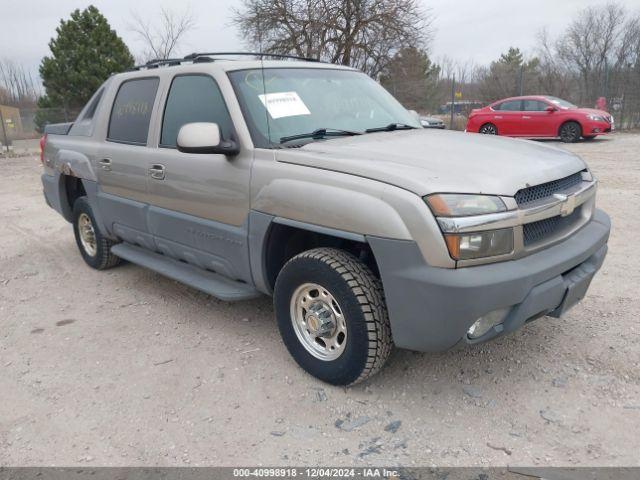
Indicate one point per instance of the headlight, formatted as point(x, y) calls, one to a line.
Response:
point(596, 118)
point(462, 205)
point(467, 246)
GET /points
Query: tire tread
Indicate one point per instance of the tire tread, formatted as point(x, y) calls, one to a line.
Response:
point(368, 291)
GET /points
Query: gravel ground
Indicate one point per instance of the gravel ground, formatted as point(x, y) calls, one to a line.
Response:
point(126, 367)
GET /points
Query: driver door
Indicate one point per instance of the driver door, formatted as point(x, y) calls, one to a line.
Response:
point(199, 203)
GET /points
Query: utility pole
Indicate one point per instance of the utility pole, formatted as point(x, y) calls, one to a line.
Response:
point(606, 79)
point(453, 98)
point(521, 80)
point(5, 140)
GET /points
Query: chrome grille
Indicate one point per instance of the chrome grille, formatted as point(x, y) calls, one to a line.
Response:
point(546, 190)
point(536, 231)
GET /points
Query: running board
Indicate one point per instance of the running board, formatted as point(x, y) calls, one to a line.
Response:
point(203, 280)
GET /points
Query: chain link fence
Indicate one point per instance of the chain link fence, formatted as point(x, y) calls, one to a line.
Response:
point(21, 128)
point(452, 101)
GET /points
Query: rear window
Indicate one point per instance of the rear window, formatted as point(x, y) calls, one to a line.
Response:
point(508, 106)
point(131, 112)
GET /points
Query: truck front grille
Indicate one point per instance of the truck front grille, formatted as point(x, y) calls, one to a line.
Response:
point(543, 229)
point(529, 195)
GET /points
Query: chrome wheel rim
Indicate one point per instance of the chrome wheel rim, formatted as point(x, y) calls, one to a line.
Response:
point(318, 321)
point(87, 234)
point(489, 130)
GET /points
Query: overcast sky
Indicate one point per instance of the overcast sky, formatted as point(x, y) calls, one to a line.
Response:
point(464, 29)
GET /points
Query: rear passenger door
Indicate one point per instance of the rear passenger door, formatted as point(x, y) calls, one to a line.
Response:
point(122, 162)
point(200, 203)
point(507, 117)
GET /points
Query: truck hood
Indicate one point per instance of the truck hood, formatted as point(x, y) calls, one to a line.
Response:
point(428, 161)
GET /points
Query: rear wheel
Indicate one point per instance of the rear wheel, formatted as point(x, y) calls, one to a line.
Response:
point(489, 129)
point(332, 316)
point(570, 132)
point(94, 247)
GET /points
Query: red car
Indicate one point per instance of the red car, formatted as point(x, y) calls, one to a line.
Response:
point(539, 116)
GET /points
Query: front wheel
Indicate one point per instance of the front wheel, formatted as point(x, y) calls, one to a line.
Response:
point(570, 132)
point(332, 316)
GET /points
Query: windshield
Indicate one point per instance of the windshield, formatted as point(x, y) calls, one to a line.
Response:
point(294, 101)
point(561, 103)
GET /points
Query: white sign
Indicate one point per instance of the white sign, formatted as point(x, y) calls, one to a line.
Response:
point(284, 104)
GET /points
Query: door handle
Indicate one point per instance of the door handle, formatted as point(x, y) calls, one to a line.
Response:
point(157, 171)
point(497, 117)
point(105, 164)
point(526, 117)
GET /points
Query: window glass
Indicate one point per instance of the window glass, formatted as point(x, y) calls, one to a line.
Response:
point(561, 103)
point(92, 107)
point(534, 106)
point(509, 106)
point(131, 112)
point(193, 98)
point(280, 102)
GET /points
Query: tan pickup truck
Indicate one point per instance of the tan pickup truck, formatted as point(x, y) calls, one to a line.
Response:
point(309, 182)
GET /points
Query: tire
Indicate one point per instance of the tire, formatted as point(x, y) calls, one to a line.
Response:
point(570, 132)
point(97, 253)
point(359, 314)
point(488, 129)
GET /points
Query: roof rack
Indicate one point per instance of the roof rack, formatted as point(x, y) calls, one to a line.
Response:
point(207, 57)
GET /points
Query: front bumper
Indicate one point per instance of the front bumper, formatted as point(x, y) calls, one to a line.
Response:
point(597, 128)
point(432, 308)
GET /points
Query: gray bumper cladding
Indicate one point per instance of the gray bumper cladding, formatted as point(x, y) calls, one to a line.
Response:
point(431, 308)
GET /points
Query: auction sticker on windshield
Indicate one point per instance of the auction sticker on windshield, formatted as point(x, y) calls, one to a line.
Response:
point(284, 104)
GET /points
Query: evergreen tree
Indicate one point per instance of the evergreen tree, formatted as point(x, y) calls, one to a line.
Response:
point(509, 75)
point(84, 53)
point(411, 77)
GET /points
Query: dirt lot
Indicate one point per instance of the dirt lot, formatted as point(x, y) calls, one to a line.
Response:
point(126, 367)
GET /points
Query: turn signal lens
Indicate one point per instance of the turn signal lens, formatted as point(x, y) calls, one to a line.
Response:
point(461, 205)
point(480, 244)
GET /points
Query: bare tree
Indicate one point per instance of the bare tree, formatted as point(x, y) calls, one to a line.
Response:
point(17, 87)
point(591, 45)
point(162, 40)
point(361, 33)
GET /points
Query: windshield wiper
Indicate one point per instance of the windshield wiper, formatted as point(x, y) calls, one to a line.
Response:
point(391, 127)
point(320, 133)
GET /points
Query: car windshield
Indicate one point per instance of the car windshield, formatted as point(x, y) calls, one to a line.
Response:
point(289, 102)
point(561, 103)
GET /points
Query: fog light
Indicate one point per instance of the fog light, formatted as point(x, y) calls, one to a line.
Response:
point(487, 322)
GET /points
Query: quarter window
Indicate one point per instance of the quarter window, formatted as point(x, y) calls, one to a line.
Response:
point(131, 112)
point(92, 107)
point(193, 98)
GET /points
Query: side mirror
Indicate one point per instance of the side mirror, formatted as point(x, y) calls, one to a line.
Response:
point(551, 109)
point(204, 138)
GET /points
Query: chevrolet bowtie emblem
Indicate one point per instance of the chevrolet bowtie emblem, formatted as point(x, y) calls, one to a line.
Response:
point(568, 204)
